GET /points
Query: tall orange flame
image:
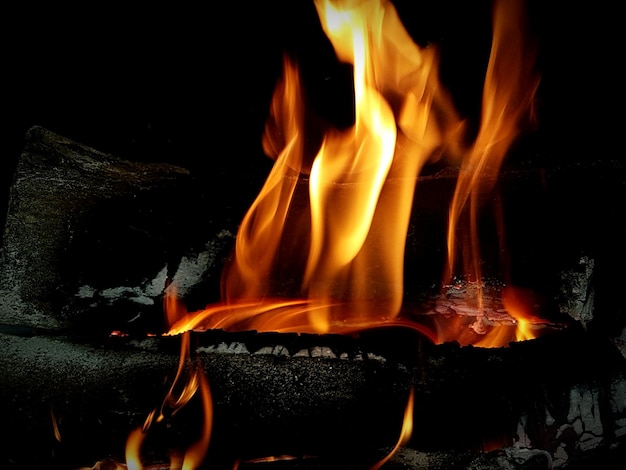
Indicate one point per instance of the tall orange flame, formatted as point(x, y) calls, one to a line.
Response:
point(321, 248)
point(360, 184)
point(508, 94)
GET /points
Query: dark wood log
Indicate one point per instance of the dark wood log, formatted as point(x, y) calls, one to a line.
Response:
point(264, 404)
point(345, 406)
point(91, 239)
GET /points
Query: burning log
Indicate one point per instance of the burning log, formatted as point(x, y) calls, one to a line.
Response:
point(97, 252)
point(61, 367)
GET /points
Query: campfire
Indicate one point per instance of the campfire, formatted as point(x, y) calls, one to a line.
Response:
point(385, 286)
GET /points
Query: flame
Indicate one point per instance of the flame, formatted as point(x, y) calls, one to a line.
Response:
point(175, 400)
point(197, 451)
point(509, 90)
point(271, 458)
point(349, 252)
point(334, 264)
point(55, 425)
point(523, 304)
point(133, 448)
point(405, 432)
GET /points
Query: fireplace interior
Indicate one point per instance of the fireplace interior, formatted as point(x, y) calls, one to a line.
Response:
point(134, 152)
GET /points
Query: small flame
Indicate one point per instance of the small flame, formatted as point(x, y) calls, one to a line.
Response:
point(197, 451)
point(523, 305)
point(405, 432)
point(271, 458)
point(133, 448)
point(55, 426)
point(175, 400)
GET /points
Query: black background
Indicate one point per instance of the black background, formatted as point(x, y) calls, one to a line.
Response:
point(191, 84)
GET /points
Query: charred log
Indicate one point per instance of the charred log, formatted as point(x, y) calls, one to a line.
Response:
point(332, 399)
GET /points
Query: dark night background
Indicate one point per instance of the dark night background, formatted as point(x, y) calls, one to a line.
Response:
point(191, 84)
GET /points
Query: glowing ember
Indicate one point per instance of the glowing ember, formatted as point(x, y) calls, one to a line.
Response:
point(345, 249)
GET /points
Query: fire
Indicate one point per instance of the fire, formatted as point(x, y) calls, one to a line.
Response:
point(176, 399)
point(508, 95)
point(360, 184)
point(344, 247)
point(405, 432)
